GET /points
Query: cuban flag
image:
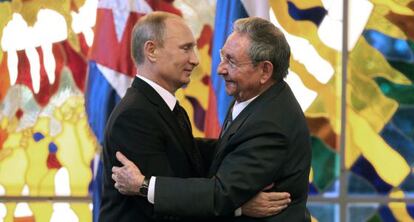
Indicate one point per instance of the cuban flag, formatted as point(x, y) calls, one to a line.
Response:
point(111, 68)
point(226, 13)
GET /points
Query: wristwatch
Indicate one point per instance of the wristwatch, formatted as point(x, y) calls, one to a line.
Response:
point(143, 189)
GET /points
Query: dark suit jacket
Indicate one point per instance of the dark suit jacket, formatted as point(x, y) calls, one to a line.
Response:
point(268, 142)
point(145, 130)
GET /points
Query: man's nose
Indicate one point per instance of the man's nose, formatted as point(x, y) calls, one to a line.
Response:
point(222, 69)
point(194, 59)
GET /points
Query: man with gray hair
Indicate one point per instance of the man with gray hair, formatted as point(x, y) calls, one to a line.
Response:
point(153, 130)
point(264, 140)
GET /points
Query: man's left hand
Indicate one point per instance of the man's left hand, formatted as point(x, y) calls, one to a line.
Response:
point(266, 204)
point(128, 178)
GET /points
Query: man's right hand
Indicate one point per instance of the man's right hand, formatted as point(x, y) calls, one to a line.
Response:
point(266, 204)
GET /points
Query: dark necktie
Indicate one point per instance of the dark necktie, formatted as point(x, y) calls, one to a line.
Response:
point(185, 125)
point(227, 123)
point(182, 118)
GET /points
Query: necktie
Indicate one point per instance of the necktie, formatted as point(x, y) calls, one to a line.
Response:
point(227, 123)
point(185, 125)
point(182, 118)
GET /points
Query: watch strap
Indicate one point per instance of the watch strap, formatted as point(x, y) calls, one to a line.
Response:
point(143, 189)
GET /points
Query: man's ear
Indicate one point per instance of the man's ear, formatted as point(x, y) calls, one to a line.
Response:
point(150, 51)
point(267, 71)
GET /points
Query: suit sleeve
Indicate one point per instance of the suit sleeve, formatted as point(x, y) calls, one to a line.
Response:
point(255, 158)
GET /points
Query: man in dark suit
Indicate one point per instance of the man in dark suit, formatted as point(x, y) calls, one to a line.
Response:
point(265, 138)
point(148, 125)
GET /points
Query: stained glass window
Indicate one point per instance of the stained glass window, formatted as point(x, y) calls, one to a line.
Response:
point(356, 90)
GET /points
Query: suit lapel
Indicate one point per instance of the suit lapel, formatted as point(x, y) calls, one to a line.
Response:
point(163, 108)
point(223, 142)
point(185, 139)
point(227, 136)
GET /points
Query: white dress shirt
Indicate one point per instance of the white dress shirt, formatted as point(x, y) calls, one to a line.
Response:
point(165, 94)
point(239, 107)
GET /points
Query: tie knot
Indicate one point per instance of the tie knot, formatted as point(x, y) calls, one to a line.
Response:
point(181, 116)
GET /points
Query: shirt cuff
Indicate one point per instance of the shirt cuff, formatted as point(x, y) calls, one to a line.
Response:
point(238, 212)
point(151, 190)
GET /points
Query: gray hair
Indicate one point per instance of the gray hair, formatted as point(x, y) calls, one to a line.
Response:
point(267, 43)
point(148, 27)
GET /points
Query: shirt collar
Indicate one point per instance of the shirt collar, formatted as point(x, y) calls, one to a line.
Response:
point(168, 98)
point(239, 107)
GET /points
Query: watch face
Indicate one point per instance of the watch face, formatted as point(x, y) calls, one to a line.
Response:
point(143, 191)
